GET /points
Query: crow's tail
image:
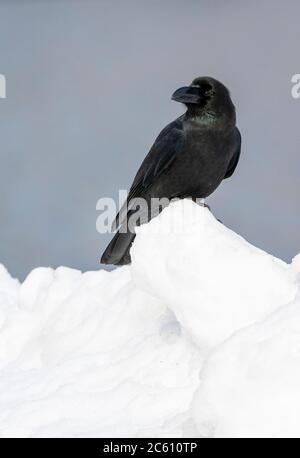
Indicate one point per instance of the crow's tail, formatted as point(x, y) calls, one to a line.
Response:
point(117, 252)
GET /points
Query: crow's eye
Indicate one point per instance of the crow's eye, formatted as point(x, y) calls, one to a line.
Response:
point(206, 88)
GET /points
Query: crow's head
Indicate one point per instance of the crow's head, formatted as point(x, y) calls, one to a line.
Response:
point(205, 95)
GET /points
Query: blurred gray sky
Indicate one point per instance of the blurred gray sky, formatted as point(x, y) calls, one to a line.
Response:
point(88, 90)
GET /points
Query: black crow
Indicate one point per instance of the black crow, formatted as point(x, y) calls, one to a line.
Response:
point(190, 157)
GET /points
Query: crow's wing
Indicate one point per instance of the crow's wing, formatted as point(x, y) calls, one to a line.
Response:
point(236, 155)
point(167, 146)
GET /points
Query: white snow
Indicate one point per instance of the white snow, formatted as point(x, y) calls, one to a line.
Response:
point(199, 337)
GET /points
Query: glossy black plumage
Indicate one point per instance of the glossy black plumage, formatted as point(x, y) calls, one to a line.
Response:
point(190, 157)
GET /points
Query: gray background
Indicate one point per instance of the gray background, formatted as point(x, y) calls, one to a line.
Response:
point(88, 87)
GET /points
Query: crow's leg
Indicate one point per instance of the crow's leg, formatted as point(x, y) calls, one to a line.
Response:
point(201, 202)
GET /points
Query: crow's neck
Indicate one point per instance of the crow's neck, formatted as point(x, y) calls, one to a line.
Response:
point(209, 118)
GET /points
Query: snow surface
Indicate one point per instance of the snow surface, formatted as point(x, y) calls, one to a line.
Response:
point(199, 337)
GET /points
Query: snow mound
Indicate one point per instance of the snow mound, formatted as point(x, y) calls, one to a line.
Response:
point(199, 337)
point(213, 280)
point(251, 383)
point(90, 355)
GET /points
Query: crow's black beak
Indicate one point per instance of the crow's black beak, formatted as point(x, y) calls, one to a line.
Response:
point(187, 94)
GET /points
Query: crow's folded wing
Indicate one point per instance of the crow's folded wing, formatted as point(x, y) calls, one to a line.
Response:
point(167, 146)
point(236, 155)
